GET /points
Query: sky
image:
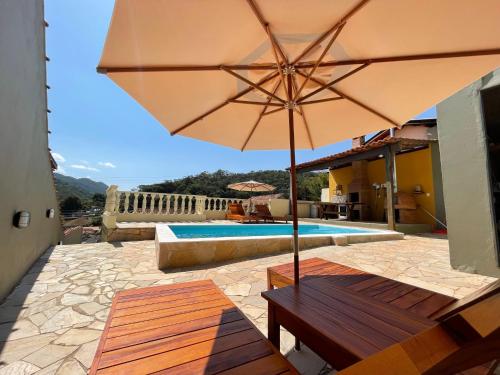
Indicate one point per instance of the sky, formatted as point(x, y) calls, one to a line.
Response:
point(98, 131)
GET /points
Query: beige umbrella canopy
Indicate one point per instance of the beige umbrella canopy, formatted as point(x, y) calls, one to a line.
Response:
point(251, 186)
point(260, 75)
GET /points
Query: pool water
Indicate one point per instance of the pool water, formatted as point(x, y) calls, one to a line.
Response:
point(249, 230)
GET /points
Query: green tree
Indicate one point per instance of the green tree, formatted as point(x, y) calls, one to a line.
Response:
point(98, 200)
point(71, 203)
point(215, 184)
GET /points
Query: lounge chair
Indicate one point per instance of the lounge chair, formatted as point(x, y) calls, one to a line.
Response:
point(236, 212)
point(431, 349)
point(262, 211)
point(188, 328)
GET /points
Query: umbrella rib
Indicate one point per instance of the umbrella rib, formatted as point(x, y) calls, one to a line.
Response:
point(343, 20)
point(273, 111)
point(273, 45)
point(181, 68)
point(256, 103)
point(321, 100)
point(254, 85)
point(260, 118)
point(325, 50)
point(265, 25)
point(429, 56)
point(247, 90)
point(355, 101)
point(337, 80)
point(294, 85)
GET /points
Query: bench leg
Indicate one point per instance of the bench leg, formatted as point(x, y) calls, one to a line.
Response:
point(270, 285)
point(273, 327)
point(297, 344)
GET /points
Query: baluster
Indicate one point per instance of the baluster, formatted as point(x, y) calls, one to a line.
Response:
point(122, 198)
point(160, 204)
point(190, 205)
point(125, 204)
point(144, 203)
point(176, 204)
point(136, 196)
point(117, 205)
point(167, 206)
point(151, 203)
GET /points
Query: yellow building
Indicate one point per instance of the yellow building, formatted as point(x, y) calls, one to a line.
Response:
point(358, 179)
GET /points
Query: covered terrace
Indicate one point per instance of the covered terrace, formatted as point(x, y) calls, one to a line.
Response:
point(357, 196)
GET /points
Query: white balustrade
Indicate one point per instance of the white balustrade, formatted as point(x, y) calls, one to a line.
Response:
point(151, 206)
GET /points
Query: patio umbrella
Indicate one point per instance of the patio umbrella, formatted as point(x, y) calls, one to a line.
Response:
point(287, 74)
point(251, 186)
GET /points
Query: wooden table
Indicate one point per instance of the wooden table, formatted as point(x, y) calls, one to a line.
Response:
point(188, 328)
point(341, 326)
point(326, 209)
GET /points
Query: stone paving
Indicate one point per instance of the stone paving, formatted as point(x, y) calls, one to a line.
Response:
point(52, 321)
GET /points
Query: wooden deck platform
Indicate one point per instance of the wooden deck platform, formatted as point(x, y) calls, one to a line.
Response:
point(188, 328)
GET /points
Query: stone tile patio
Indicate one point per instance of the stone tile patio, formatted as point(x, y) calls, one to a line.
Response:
point(52, 321)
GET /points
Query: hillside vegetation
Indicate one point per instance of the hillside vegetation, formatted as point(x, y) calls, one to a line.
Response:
point(82, 188)
point(215, 184)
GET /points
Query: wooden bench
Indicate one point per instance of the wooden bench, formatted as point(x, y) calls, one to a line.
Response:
point(187, 328)
point(332, 297)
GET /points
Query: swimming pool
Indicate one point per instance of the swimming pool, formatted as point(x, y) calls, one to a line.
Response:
point(181, 245)
point(258, 230)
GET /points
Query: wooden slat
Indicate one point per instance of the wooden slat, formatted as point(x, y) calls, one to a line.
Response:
point(395, 293)
point(223, 361)
point(161, 322)
point(209, 296)
point(186, 354)
point(165, 297)
point(432, 304)
point(412, 298)
point(170, 330)
point(271, 364)
point(156, 314)
point(114, 357)
point(457, 306)
point(140, 292)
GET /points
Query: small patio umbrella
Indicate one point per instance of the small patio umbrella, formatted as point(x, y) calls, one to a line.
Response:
point(287, 74)
point(251, 186)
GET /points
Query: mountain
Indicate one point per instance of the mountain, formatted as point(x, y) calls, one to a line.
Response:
point(83, 188)
point(215, 184)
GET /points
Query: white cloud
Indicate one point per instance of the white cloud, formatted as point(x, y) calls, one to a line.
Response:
point(58, 157)
point(106, 164)
point(60, 170)
point(85, 167)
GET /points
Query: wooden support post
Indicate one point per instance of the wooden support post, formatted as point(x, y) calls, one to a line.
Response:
point(389, 156)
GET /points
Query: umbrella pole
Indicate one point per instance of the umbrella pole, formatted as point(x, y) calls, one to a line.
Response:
point(294, 185)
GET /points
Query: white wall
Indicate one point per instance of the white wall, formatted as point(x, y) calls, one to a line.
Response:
point(466, 181)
